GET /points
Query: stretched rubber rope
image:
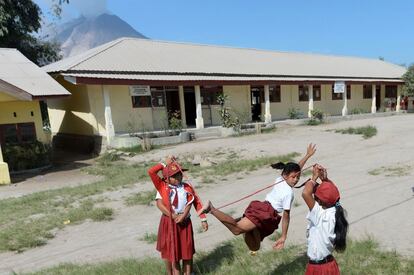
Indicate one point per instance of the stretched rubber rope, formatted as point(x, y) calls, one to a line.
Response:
point(258, 191)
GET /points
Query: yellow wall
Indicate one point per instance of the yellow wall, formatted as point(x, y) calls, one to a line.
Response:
point(239, 100)
point(128, 119)
point(6, 97)
point(23, 111)
point(72, 115)
point(83, 113)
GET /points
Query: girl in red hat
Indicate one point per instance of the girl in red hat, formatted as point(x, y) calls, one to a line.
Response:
point(175, 232)
point(327, 227)
point(262, 218)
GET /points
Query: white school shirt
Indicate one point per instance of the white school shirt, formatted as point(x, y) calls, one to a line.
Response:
point(281, 196)
point(181, 194)
point(320, 232)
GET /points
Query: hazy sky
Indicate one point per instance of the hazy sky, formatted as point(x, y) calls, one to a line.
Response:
point(367, 28)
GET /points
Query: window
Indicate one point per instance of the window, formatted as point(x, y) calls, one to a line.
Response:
point(17, 133)
point(157, 96)
point(209, 94)
point(156, 99)
point(367, 91)
point(390, 91)
point(141, 101)
point(303, 93)
point(316, 92)
point(338, 96)
point(348, 91)
point(274, 93)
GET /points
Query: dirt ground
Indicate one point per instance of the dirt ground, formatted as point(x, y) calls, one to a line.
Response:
point(378, 205)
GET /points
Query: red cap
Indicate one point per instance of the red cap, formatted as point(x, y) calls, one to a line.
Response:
point(328, 193)
point(172, 169)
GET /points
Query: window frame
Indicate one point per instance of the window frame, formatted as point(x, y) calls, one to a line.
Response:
point(367, 91)
point(315, 98)
point(18, 128)
point(209, 94)
point(305, 93)
point(275, 94)
point(387, 91)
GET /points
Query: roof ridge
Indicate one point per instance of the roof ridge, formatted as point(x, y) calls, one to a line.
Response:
point(110, 45)
point(254, 49)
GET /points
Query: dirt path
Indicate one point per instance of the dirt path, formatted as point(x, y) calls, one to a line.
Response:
point(377, 206)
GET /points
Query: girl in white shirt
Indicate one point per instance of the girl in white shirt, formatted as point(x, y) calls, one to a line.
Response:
point(327, 227)
point(261, 218)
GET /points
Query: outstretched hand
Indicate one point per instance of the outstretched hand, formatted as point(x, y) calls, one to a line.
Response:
point(310, 151)
point(279, 244)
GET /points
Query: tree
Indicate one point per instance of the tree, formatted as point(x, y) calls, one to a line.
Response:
point(408, 78)
point(19, 21)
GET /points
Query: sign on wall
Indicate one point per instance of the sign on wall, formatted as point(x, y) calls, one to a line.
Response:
point(339, 87)
point(139, 90)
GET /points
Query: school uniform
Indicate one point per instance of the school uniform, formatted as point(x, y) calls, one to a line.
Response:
point(175, 241)
point(320, 239)
point(265, 214)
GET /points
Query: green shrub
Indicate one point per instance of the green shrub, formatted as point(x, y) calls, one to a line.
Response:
point(357, 111)
point(294, 113)
point(317, 114)
point(175, 121)
point(27, 155)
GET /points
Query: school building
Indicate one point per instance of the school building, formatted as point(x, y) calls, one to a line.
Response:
point(23, 87)
point(129, 85)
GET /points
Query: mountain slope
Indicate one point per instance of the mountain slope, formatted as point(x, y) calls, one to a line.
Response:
point(84, 33)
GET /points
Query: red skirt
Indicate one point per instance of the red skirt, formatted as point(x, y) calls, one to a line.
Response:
point(330, 268)
point(264, 216)
point(175, 241)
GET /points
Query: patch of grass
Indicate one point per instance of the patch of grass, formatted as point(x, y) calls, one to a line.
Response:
point(207, 180)
point(141, 198)
point(149, 238)
point(238, 165)
point(19, 231)
point(137, 149)
point(231, 257)
point(392, 171)
point(366, 131)
point(313, 122)
point(269, 130)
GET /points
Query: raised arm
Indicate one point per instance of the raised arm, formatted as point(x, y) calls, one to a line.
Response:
point(153, 173)
point(309, 153)
point(307, 193)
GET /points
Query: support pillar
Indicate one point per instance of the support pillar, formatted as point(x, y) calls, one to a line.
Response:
point(374, 99)
point(109, 126)
point(182, 106)
point(310, 108)
point(345, 108)
point(398, 103)
point(4, 170)
point(199, 111)
point(268, 115)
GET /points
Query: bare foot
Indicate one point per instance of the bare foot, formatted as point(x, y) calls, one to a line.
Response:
point(206, 208)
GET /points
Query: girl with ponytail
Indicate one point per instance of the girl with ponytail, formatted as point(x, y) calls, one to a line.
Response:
point(327, 227)
point(262, 218)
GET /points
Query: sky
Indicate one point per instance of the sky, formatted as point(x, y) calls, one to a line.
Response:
point(363, 28)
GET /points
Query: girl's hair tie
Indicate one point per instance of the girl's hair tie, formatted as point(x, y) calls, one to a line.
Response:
point(337, 203)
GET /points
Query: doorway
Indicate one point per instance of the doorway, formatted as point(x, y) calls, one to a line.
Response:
point(173, 101)
point(378, 97)
point(256, 102)
point(190, 106)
